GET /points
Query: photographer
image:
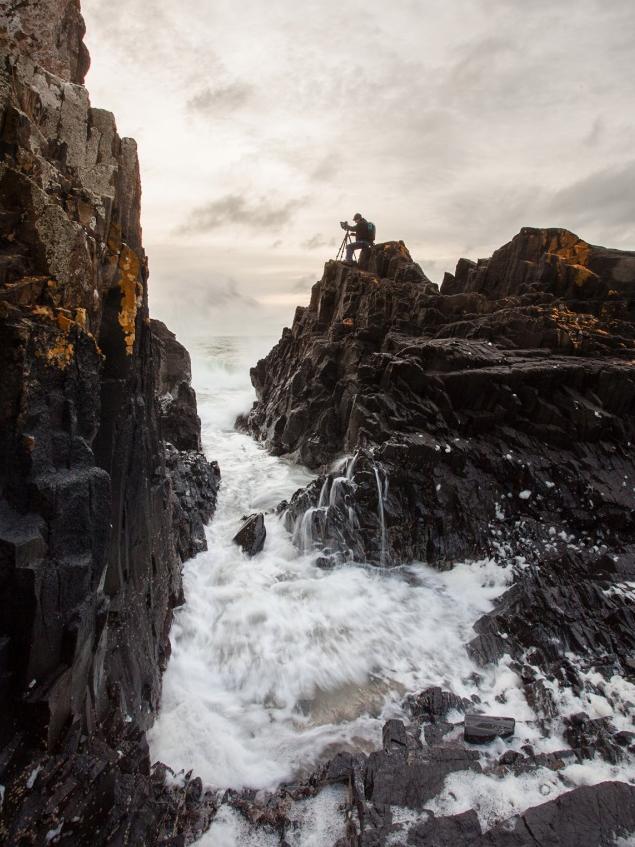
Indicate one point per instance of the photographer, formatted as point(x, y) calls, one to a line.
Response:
point(364, 235)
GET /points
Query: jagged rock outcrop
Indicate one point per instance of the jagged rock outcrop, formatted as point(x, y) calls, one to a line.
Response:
point(90, 563)
point(503, 402)
point(492, 417)
point(252, 534)
point(194, 480)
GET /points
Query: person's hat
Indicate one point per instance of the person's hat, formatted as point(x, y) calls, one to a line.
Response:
point(357, 216)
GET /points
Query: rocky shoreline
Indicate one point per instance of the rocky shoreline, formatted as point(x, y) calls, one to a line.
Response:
point(492, 417)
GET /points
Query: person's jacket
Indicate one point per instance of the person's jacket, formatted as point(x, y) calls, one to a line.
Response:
point(361, 230)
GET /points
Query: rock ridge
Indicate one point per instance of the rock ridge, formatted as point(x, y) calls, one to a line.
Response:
point(506, 397)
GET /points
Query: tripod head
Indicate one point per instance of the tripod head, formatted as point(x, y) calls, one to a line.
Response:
point(346, 240)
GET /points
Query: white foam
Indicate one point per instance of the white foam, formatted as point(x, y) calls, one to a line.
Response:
point(276, 663)
point(318, 821)
point(230, 829)
point(495, 798)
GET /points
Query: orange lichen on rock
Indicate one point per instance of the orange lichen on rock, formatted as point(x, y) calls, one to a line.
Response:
point(582, 275)
point(61, 353)
point(61, 350)
point(569, 247)
point(131, 294)
point(81, 318)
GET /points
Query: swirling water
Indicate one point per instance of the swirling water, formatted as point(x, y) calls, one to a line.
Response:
point(276, 663)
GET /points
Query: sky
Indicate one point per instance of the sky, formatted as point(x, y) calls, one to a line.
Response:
point(449, 123)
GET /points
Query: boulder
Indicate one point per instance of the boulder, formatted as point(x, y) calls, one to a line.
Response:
point(479, 729)
point(251, 535)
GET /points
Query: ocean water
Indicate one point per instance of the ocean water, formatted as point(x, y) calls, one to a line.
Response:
point(277, 664)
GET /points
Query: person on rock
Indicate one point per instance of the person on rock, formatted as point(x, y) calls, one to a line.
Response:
point(364, 236)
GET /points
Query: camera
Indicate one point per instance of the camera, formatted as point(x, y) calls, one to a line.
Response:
point(344, 224)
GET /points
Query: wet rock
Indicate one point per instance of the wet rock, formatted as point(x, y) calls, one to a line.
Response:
point(590, 816)
point(457, 830)
point(555, 611)
point(94, 525)
point(480, 729)
point(513, 382)
point(194, 483)
point(434, 703)
point(180, 423)
point(252, 534)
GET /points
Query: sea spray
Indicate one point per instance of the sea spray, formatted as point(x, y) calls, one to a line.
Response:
point(277, 663)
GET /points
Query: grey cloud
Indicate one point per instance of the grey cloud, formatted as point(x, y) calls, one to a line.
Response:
point(224, 294)
point(235, 209)
point(151, 33)
point(222, 99)
point(325, 170)
point(316, 241)
point(304, 283)
point(215, 293)
point(478, 61)
point(607, 195)
point(595, 133)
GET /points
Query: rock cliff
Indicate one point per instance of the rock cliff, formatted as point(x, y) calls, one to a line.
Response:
point(104, 490)
point(488, 411)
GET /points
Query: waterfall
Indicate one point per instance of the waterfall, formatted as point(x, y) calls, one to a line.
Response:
point(381, 493)
point(321, 527)
point(309, 528)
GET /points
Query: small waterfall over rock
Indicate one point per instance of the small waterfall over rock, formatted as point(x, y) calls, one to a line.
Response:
point(343, 514)
point(328, 520)
point(381, 495)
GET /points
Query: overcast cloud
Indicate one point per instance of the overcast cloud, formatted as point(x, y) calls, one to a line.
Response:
point(449, 124)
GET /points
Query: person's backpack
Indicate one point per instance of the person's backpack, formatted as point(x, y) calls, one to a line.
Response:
point(372, 230)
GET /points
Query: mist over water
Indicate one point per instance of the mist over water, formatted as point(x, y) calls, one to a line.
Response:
point(278, 664)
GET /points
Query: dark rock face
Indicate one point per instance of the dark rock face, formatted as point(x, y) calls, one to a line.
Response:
point(194, 480)
point(583, 817)
point(504, 402)
point(93, 525)
point(493, 417)
point(180, 424)
point(479, 729)
point(252, 534)
point(564, 617)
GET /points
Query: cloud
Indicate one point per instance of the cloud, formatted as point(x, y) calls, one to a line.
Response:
point(220, 100)
point(607, 195)
point(316, 241)
point(227, 293)
point(304, 283)
point(235, 209)
point(326, 169)
point(452, 125)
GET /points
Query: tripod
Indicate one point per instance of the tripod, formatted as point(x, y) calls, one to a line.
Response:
point(345, 241)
